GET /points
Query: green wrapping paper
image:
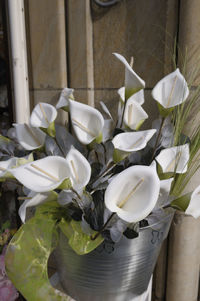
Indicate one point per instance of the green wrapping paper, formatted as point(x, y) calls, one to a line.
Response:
point(27, 257)
point(29, 250)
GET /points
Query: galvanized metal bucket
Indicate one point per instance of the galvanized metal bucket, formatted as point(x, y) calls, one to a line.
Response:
point(118, 273)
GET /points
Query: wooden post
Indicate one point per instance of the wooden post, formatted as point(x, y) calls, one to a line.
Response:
point(80, 50)
point(47, 50)
point(184, 247)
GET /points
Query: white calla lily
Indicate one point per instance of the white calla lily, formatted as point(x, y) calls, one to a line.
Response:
point(172, 90)
point(80, 169)
point(133, 83)
point(34, 199)
point(125, 143)
point(194, 204)
point(134, 114)
point(6, 165)
point(43, 115)
point(43, 175)
point(133, 193)
point(174, 159)
point(63, 102)
point(137, 97)
point(87, 122)
point(29, 137)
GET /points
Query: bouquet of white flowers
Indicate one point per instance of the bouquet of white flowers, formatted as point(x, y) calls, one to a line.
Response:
point(98, 179)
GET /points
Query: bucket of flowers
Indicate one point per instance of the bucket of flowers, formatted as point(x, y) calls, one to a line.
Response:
point(102, 191)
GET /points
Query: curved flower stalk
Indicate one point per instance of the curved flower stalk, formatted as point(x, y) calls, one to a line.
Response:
point(134, 114)
point(29, 137)
point(133, 193)
point(194, 204)
point(133, 83)
point(43, 116)
point(63, 102)
point(137, 97)
point(126, 143)
point(80, 170)
point(34, 199)
point(174, 159)
point(87, 122)
point(171, 91)
point(44, 175)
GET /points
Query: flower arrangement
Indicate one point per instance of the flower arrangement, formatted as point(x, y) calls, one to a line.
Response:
point(97, 179)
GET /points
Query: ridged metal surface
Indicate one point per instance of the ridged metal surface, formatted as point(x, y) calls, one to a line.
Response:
point(117, 273)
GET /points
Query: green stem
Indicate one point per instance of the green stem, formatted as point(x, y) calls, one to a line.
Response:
point(104, 227)
point(158, 138)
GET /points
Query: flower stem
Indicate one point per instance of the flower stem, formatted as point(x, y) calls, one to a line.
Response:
point(158, 137)
point(104, 227)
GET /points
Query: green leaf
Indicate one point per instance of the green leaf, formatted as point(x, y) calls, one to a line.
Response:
point(80, 242)
point(26, 260)
point(182, 202)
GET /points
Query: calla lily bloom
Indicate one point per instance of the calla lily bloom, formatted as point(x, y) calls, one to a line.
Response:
point(29, 137)
point(172, 90)
point(174, 159)
point(80, 170)
point(44, 174)
point(133, 193)
point(133, 83)
point(63, 102)
point(34, 199)
point(137, 97)
point(134, 114)
point(43, 116)
point(128, 142)
point(87, 122)
point(194, 204)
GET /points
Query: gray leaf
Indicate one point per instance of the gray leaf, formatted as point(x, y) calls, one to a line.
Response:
point(66, 197)
point(51, 147)
point(65, 140)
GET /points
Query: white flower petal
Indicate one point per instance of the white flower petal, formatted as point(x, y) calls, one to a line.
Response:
point(135, 190)
point(87, 122)
point(5, 166)
point(172, 90)
point(134, 114)
point(63, 101)
point(80, 170)
point(165, 187)
point(35, 199)
point(43, 115)
point(121, 92)
point(29, 137)
point(132, 141)
point(194, 205)
point(44, 174)
point(133, 82)
point(174, 159)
